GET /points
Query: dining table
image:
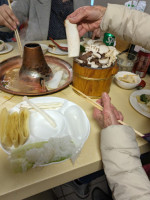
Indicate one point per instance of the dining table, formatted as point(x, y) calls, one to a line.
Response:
point(16, 186)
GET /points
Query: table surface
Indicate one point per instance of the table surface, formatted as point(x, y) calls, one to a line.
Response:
point(21, 185)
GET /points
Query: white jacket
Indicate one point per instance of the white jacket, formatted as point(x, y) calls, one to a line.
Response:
point(121, 158)
point(130, 25)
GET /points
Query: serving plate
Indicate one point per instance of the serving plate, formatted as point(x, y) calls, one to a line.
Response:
point(70, 121)
point(7, 49)
point(10, 82)
point(141, 108)
point(58, 51)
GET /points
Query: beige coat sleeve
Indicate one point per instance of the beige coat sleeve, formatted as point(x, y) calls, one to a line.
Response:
point(130, 25)
point(122, 165)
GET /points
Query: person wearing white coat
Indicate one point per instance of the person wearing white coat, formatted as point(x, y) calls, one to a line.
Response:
point(130, 25)
point(120, 153)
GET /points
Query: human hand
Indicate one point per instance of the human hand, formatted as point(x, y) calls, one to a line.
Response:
point(7, 17)
point(110, 115)
point(87, 18)
point(96, 33)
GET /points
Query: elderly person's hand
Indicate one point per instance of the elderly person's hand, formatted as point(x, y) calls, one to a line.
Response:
point(88, 18)
point(110, 115)
point(7, 17)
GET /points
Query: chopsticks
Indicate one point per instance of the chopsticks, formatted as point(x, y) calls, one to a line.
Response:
point(101, 108)
point(17, 36)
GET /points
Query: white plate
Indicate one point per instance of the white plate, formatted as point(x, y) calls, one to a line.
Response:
point(44, 48)
point(57, 51)
point(141, 108)
point(70, 120)
point(7, 49)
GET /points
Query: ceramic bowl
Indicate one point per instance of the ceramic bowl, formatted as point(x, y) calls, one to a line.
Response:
point(126, 85)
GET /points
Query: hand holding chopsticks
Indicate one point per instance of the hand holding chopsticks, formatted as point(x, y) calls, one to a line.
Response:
point(17, 36)
point(101, 108)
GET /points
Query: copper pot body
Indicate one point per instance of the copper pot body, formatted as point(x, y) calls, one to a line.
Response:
point(34, 67)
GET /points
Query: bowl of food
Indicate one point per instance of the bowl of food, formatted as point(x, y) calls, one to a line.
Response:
point(127, 80)
point(2, 45)
point(94, 69)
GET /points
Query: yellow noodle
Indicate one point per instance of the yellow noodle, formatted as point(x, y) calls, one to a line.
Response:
point(14, 131)
point(24, 125)
point(3, 122)
point(7, 140)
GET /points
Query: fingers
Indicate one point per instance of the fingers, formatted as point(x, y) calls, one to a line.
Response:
point(117, 113)
point(78, 15)
point(96, 33)
point(110, 115)
point(98, 116)
point(106, 101)
point(109, 111)
point(7, 18)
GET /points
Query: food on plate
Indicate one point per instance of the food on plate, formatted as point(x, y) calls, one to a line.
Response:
point(2, 45)
point(143, 98)
point(40, 153)
point(5, 139)
point(23, 125)
point(42, 112)
point(59, 46)
point(144, 101)
point(97, 54)
point(73, 39)
point(53, 47)
point(60, 78)
point(50, 106)
point(14, 127)
point(128, 78)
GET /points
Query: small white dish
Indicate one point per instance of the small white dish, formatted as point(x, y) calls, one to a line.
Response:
point(57, 51)
point(7, 48)
point(44, 48)
point(126, 85)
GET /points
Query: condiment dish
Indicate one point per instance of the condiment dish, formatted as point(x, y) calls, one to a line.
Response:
point(127, 80)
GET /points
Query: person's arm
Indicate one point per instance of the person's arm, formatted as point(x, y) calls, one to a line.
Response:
point(121, 159)
point(131, 25)
point(120, 155)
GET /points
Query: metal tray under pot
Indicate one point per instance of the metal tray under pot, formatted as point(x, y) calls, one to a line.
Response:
point(11, 83)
